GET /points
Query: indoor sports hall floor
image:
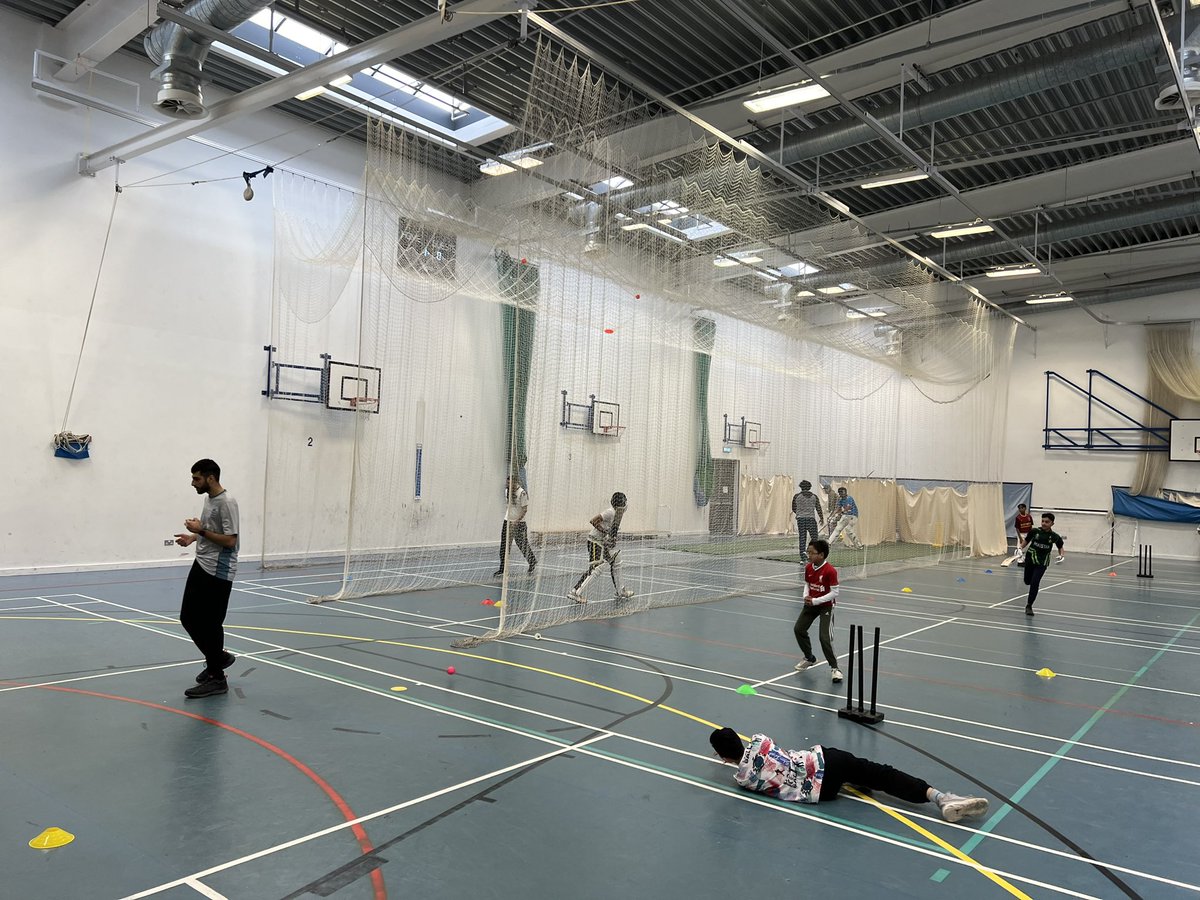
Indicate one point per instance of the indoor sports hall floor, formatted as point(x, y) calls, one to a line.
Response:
point(346, 762)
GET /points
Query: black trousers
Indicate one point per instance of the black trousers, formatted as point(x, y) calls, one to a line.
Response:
point(519, 532)
point(846, 768)
point(806, 528)
point(1033, 578)
point(825, 612)
point(202, 614)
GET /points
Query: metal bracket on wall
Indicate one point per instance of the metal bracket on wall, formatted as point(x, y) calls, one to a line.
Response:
point(1133, 438)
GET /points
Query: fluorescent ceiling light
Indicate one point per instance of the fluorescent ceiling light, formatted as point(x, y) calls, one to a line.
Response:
point(792, 95)
point(493, 167)
point(634, 226)
point(725, 262)
point(798, 268)
point(526, 162)
point(895, 179)
point(855, 314)
point(839, 288)
point(1013, 271)
point(611, 184)
point(1055, 298)
point(340, 80)
point(311, 92)
point(804, 294)
point(949, 231)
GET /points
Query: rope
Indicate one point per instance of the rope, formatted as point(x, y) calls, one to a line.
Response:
point(91, 306)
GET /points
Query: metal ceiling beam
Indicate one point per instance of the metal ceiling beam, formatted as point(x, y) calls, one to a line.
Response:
point(945, 40)
point(741, 9)
point(758, 156)
point(1097, 178)
point(96, 29)
point(415, 36)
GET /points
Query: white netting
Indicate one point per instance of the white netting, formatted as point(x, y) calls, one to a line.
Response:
point(591, 335)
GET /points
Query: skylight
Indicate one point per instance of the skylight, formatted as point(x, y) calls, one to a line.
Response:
point(385, 87)
point(615, 183)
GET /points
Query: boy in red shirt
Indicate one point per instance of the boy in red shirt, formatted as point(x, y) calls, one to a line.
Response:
point(820, 595)
point(1023, 523)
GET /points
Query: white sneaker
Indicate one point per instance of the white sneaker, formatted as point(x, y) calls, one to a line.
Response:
point(955, 807)
point(624, 594)
point(804, 664)
point(576, 596)
point(835, 675)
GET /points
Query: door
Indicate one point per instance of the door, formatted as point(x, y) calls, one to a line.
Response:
point(723, 508)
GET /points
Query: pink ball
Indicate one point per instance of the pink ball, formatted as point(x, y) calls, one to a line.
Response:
point(450, 670)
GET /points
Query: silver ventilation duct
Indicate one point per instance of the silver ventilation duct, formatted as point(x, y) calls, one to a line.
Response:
point(1117, 220)
point(1157, 287)
point(1041, 74)
point(1189, 67)
point(179, 53)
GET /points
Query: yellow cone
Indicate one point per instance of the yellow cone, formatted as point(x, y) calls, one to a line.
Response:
point(51, 838)
point(1045, 673)
point(906, 590)
point(499, 603)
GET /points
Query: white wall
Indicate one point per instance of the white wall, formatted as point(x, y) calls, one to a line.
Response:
point(173, 363)
point(1070, 342)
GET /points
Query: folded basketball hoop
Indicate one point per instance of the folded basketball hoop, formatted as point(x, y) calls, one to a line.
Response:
point(365, 404)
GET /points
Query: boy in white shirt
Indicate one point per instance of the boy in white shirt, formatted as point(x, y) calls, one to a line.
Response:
point(514, 527)
point(602, 548)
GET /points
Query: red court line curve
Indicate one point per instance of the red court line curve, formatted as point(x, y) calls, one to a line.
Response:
point(360, 833)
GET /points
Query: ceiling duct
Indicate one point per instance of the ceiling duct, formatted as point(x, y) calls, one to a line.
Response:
point(1189, 68)
point(1101, 223)
point(179, 53)
point(1051, 70)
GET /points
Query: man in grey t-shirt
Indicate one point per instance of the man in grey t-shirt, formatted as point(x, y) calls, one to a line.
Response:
point(210, 581)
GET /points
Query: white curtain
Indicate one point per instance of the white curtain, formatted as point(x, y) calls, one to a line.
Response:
point(1174, 378)
point(765, 505)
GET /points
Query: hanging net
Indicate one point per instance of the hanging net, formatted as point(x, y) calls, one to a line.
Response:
point(690, 332)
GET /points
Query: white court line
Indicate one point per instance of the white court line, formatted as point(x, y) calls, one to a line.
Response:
point(798, 688)
point(304, 839)
point(1111, 567)
point(204, 889)
point(606, 733)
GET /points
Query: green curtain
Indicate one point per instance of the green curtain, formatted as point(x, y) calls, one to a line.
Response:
point(519, 284)
point(704, 333)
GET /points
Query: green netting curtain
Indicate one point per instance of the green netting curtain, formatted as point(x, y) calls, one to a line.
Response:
point(519, 284)
point(704, 333)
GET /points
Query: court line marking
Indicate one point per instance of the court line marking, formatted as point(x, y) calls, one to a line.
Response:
point(996, 818)
point(860, 829)
point(977, 723)
point(204, 889)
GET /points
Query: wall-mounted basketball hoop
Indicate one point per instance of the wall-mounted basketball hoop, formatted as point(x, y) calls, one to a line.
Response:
point(600, 417)
point(745, 434)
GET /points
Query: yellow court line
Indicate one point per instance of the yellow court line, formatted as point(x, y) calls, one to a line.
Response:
point(983, 870)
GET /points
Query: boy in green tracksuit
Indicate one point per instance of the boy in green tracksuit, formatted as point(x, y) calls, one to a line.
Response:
point(1037, 556)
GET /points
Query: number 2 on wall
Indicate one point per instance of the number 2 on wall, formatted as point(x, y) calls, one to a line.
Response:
point(310, 442)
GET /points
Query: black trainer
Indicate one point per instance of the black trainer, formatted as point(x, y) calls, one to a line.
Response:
point(499, 573)
point(204, 676)
point(1029, 610)
point(209, 688)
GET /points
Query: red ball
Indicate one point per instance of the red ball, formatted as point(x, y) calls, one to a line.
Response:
point(450, 670)
point(608, 331)
point(637, 296)
point(524, 261)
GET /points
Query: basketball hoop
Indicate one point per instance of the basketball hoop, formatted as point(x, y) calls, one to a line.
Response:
point(611, 430)
point(364, 404)
point(758, 445)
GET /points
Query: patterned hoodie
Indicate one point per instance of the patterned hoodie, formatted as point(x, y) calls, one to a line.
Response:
point(787, 774)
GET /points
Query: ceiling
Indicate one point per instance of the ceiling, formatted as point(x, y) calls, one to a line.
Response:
point(1035, 116)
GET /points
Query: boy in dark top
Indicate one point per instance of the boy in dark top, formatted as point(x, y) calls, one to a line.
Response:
point(807, 510)
point(1037, 556)
point(1023, 523)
